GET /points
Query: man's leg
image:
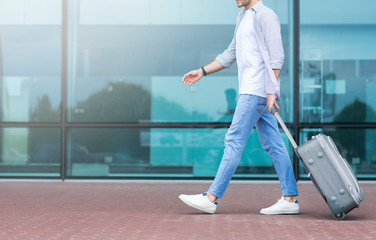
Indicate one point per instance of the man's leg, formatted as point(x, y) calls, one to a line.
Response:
point(247, 113)
point(271, 140)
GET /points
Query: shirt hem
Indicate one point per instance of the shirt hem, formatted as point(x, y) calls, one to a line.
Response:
point(251, 93)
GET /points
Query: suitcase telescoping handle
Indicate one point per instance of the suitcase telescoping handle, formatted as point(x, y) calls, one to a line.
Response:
point(275, 111)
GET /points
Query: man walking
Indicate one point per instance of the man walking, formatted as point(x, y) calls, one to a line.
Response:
point(257, 48)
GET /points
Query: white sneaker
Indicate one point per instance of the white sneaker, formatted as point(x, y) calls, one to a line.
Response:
point(282, 207)
point(200, 202)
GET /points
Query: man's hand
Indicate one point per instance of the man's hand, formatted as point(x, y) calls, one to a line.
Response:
point(192, 77)
point(270, 101)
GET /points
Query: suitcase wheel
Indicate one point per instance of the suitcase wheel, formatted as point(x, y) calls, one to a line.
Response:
point(339, 216)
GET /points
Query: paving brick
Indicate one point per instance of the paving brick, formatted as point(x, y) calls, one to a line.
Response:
point(128, 210)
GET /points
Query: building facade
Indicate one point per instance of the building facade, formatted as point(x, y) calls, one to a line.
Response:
point(92, 88)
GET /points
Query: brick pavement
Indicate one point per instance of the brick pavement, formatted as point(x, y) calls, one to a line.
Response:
point(128, 210)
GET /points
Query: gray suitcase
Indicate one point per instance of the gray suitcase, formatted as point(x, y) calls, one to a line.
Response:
point(329, 172)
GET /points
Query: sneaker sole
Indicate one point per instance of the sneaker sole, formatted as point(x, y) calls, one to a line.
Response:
point(280, 213)
point(195, 206)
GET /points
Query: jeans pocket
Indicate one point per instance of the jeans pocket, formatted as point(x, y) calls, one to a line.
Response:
point(261, 104)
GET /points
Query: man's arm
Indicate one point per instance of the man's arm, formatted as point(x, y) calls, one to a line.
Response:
point(276, 73)
point(228, 57)
point(195, 75)
point(223, 60)
point(270, 98)
point(273, 40)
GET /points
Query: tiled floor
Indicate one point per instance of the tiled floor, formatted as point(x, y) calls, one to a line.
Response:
point(127, 210)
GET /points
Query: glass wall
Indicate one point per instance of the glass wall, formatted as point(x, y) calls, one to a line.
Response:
point(338, 62)
point(159, 152)
point(30, 47)
point(92, 88)
point(30, 152)
point(338, 77)
point(126, 62)
point(30, 86)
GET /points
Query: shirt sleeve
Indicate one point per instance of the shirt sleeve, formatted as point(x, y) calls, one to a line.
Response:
point(271, 29)
point(228, 57)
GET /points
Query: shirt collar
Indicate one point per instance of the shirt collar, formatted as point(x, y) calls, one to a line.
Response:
point(258, 6)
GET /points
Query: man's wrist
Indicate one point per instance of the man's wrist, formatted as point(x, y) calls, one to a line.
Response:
point(203, 71)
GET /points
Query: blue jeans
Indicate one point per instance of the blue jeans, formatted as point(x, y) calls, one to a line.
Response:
point(251, 111)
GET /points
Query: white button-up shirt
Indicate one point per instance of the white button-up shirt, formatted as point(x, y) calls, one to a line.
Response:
point(251, 66)
point(268, 33)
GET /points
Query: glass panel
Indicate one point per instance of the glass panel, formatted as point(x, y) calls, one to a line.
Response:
point(30, 152)
point(30, 58)
point(357, 146)
point(197, 103)
point(159, 152)
point(107, 151)
point(338, 74)
point(132, 70)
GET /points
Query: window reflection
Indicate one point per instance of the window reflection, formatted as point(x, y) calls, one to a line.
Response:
point(101, 151)
point(109, 101)
point(30, 152)
point(332, 91)
point(153, 52)
point(30, 61)
point(29, 95)
point(159, 152)
point(337, 63)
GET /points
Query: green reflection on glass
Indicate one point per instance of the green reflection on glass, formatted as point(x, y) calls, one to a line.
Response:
point(202, 149)
point(30, 152)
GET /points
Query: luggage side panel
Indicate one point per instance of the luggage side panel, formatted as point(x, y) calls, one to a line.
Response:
point(325, 175)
